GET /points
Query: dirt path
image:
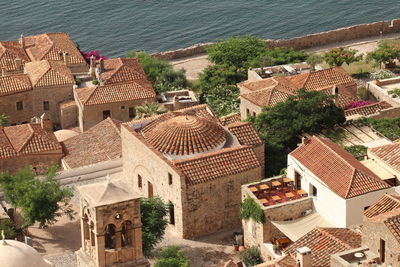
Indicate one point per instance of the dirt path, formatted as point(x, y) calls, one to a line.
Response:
point(195, 65)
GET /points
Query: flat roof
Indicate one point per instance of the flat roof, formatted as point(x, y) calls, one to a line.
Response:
point(378, 169)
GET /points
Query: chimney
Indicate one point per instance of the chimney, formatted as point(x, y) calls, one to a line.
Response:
point(65, 57)
point(22, 41)
point(303, 257)
point(18, 62)
point(92, 68)
point(3, 72)
point(46, 123)
point(304, 140)
point(101, 65)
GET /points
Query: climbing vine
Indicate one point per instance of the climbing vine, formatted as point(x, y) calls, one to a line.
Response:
point(250, 209)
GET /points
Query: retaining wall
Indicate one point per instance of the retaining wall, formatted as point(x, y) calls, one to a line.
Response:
point(307, 41)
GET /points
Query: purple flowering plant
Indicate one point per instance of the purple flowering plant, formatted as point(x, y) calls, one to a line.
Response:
point(95, 53)
point(360, 103)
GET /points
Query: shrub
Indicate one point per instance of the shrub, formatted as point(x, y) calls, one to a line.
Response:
point(9, 228)
point(382, 74)
point(389, 127)
point(95, 53)
point(250, 209)
point(251, 256)
point(394, 93)
point(339, 56)
point(172, 256)
point(78, 81)
point(95, 81)
point(357, 104)
point(357, 150)
point(278, 56)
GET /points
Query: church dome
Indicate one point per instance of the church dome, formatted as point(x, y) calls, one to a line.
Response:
point(184, 135)
point(17, 254)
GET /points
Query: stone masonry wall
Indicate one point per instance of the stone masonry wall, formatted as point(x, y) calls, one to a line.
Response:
point(69, 114)
point(308, 41)
point(40, 161)
point(8, 106)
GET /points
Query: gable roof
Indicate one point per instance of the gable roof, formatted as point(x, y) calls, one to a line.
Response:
point(49, 73)
point(245, 133)
point(12, 84)
point(277, 89)
point(337, 168)
point(26, 139)
point(222, 163)
point(129, 91)
point(384, 204)
point(10, 51)
point(100, 143)
point(323, 242)
point(389, 154)
point(367, 109)
point(119, 70)
point(51, 46)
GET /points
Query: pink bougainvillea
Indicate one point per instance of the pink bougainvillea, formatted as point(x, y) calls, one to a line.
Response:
point(95, 53)
point(360, 103)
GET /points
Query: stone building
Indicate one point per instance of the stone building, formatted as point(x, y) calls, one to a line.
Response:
point(29, 144)
point(195, 164)
point(123, 86)
point(254, 95)
point(174, 100)
point(111, 228)
point(387, 157)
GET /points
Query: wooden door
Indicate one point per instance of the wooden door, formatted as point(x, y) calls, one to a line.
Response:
point(150, 189)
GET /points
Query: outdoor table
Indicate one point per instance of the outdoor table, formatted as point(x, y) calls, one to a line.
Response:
point(276, 183)
point(263, 201)
point(287, 180)
point(276, 198)
point(264, 186)
point(289, 195)
point(253, 189)
point(301, 192)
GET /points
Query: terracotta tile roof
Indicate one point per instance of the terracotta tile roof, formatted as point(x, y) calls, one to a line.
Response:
point(337, 168)
point(389, 154)
point(9, 52)
point(323, 242)
point(119, 70)
point(49, 73)
point(51, 46)
point(267, 97)
point(327, 78)
point(103, 94)
point(183, 134)
point(258, 85)
point(26, 139)
point(230, 119)
point(286, 261)
point(222, 163)
point(100, 143)
point(392, 222)
point(383, 205)
point(16, 83)
point(367, 109)
point(245, 133)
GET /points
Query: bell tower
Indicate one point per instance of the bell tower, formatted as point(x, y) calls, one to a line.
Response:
point(111, 229)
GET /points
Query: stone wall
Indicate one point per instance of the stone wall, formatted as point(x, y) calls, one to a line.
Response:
point(308, 41)
point(380, 94)
point(8, 106)
point(39, 161)
point(69, 114)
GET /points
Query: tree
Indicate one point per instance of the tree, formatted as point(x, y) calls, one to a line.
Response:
point(41, 200)
point(386, 53)
point(172, 256)
point(314, 59)
point(9, 228)
point(224, 99)
point(3, 120)
point(160, 73)
point(149, 109)
point(282, 125)
point(278, 56)
point(153, 212)
point(251, 256)
point(339, 56)
point(236, 51)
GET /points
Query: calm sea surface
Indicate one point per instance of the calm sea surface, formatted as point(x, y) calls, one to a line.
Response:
point(118, 26)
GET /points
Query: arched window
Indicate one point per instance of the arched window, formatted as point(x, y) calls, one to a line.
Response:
point(93, 242)
point(110, 236)
point(86, 229)
point(126, 234)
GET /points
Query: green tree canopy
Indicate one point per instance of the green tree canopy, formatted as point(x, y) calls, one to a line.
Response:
point(236, 51)
point(3, 120)
point(278, 56)
point(172, 256)
point(339, 56)
point(282, 125)
point(386, 52)
point(41, 200)
point(314, 59)
point(160, 73)
point(153, 213)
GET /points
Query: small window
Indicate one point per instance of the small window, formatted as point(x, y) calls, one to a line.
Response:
point(247, 112)
point(314, 191)
point(20, 105)
point(132, 113)
point(106, 114)
point(365, 208)
point(122, 107)
point(169, 178)
point(171, 212)
point(254, 114)
point(46, 105)
point(139, 180)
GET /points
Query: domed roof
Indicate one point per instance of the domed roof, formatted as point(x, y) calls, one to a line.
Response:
point(17, 254)
point(184, 135)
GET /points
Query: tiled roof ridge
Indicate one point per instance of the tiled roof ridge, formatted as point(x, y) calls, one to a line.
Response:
point(27, 139)
point(88, 97)
point(114, 124)
point(328, 234)
point(213, 153)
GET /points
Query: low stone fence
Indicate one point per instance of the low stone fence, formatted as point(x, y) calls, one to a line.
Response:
point(312, 40)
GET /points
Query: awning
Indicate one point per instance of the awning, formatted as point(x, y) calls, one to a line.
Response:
point(297, 228)
point(377, 169)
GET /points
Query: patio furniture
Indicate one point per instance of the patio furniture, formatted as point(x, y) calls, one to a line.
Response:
point(276, 183)
point(263, 201)
point(289, 195)
point(287, 180)
point(264, 187)
point(276, 198)
point(302, 192)
point(253, 189)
